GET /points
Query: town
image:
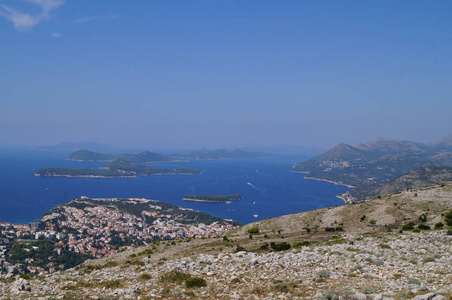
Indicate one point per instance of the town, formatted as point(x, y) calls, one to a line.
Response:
point(93, 228)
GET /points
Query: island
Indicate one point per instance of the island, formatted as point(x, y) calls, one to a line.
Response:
point(75, 172)
point(206, 154)
point(117, 168)
point(142, 157)
point(212, 198)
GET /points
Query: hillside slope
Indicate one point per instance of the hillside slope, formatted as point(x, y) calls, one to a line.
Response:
point(365, 257)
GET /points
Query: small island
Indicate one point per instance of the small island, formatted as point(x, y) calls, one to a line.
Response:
point(212, 198)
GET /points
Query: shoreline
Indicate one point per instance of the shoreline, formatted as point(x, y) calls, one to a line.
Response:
point(201, 200)
point(330, 181)
point(85, 176)
point(324, 180)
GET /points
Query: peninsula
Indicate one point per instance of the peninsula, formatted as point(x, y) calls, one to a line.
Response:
point(212, 198)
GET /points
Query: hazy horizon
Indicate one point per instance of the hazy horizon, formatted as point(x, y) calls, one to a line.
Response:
point(234, 74)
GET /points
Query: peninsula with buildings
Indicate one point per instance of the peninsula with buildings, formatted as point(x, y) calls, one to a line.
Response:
point(86, 228)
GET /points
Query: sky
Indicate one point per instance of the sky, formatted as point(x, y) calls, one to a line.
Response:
point(224, 74)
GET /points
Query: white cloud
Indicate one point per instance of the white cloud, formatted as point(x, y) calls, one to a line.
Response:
point(23, 21)
point(56, 35)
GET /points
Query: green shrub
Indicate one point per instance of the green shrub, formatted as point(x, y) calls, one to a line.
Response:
point(280, 247)
point(448, 218)
point(145, 276)
point(423, 218)
point(377, 263)
point(174, 276)
point(372, 222)
point(194, 282)
point(323, 273)
point(409, 226)
point(428, 259)
point(239, 248)
point(110, 264)
point(416, 230)
point(253, 230)
point(297, 245)
point(414, 281)
point(280, 287)
point(235, 280)
point(424, 227)
point(439, 225)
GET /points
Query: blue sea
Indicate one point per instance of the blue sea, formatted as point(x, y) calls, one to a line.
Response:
point(268, 187)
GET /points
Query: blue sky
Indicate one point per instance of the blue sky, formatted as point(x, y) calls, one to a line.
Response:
point(190, 74)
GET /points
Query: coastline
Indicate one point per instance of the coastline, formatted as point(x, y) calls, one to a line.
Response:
point(201, 200)
point(330, 181)
point(347, 201)
point(84, 176)
point(324, 180)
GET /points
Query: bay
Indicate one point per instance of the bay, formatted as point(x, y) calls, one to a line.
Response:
point(268, 187)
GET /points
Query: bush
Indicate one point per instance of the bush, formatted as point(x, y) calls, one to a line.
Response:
point(235, 280)
point(280, 287)
point(174, 276)
point(195, 282)
point(372, 222)
point(416, 230)
point(423, 218)
point(280, 247)
point(297, 245)
point(145, 276)
point(414, 281)
point(439, 225)
point(409, 226)
point(323, 273)
point(448, 218)
point(239, 248)
point(424, 227)
point(253, 230)
point(378, 263)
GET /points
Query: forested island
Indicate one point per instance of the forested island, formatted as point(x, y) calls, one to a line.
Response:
point(117, 168)
point(212, 198)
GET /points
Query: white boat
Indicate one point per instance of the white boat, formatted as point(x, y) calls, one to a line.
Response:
point(255, 215)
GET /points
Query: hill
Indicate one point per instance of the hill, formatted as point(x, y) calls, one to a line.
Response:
point(375, 161)
point(86, 155)
point(423, 177)
point(361, 251)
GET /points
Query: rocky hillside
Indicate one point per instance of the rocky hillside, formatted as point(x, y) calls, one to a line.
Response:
point(367, 250)
point(423, 177)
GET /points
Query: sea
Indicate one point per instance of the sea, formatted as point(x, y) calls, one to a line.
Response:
point(268, 187)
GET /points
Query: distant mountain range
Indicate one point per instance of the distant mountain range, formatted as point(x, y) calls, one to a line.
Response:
point(222, 154)
point(142, 157)
point(377, 161)
point(147, 157)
